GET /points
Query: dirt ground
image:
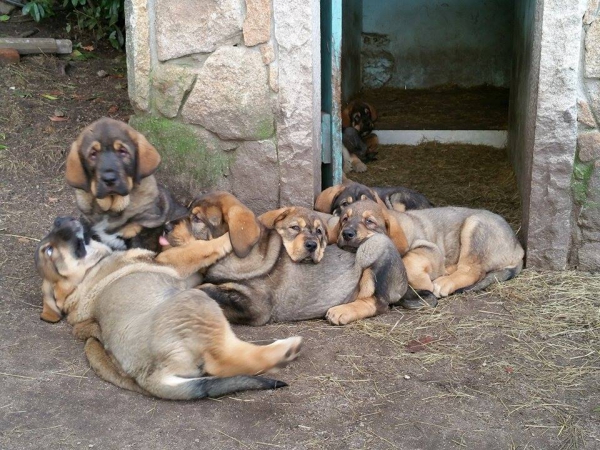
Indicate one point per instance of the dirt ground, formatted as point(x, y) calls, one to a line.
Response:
point(514, 368)
point(443, 108)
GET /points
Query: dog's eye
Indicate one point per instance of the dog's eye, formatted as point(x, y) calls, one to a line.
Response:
point(344, 219)
point(92, 155)
point(123, 152)
point(370, 222)
point(196, 219)
point(319, 231)
point(345, 203)
point(49, 250)
point(295, 227)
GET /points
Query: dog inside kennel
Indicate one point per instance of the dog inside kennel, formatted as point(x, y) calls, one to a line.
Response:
point(438, 74)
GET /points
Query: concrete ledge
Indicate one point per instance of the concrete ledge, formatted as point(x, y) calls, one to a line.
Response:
point(493, 138)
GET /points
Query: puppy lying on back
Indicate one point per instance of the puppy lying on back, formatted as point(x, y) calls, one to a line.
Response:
point(444, 249)
point(360, 143)
point(288, 273)
point(111, 165)
point(332, 200)
point(145, 329)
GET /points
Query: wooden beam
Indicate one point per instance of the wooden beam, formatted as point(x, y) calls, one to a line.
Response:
point(26, 46)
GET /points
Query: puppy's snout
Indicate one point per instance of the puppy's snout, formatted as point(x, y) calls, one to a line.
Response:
point(348, 234)
point(311, 246)
point(60, 221)
point(109, 177)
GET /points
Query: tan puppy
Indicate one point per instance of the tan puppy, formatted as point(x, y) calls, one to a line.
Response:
point(443, 249)
point(289, 273)
point(145, 328)
point(111, 167)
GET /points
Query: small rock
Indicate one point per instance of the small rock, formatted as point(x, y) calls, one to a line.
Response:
point(9, 56)
point(407, 377)
point(59, 113)
point(589, 146)
point(102, 73)
point(484, 364)
point(5, 8)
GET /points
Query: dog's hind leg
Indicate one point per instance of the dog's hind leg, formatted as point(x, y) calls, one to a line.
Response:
point(365, 305)
point(105, 368)
point(469, 270)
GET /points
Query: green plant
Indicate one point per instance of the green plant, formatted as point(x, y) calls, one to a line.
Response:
point(105, 18)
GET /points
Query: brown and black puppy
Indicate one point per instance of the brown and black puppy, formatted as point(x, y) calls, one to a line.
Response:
point(111, 165)
point(444, 249)
point(332, 200)
point(360, 143)
point(289, 273)
point(146, 329)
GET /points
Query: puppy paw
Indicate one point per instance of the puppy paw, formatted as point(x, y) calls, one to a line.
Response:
point(288, 350)
point(339, 315)
point(359, 166)
point(443, 286)
point(347, 166)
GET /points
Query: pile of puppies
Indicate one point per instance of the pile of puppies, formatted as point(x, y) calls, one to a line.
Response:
point(158, 324)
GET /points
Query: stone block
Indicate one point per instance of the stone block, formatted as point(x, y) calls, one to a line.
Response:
point(257, 26)
point(589, 146)
point(137, 23)
point(591, 12)
point(6, 8)
point(254, 175)
point(592, 50)
point(297, 132)
point(170, 83)
point(584, 114)
point(185, 27)
point(231, 96)
point(9, 56)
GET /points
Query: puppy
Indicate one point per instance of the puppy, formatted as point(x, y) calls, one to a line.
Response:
point(145, 329)
point(332, 200)
point(359, 141)
point(288, 273)
point(111, 165)
point(444, 249)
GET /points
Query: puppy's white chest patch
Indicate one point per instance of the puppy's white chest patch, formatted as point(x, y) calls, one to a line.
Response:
point(113, 240)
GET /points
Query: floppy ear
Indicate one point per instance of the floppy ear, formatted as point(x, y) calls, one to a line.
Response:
point(270, 218)
point(147, 156)
point(244, 230)
point(75, 174)
point(50, 312)
point(333, 229)
point(326, 198)
point(373, 112)
point(395, 232)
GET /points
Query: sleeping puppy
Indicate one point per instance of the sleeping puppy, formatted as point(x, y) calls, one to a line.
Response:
point(145, 328)
point(445, 250)
point(111, 165)
point(289, 273)
point(360, 143)
point(332, 200)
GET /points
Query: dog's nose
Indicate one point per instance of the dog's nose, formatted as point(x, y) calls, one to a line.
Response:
point(348, 234)
point(168, 227)
point(109, 177)
point(311, 246)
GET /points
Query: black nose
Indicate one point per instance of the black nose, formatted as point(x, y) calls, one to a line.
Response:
point(311, 246)
point(109, 177)
point(59, 221)
point(348, 234)
point(168, 227)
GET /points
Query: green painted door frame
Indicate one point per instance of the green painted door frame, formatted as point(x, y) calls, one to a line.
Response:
point(331, 92)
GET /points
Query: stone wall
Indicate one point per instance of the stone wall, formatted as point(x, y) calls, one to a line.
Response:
point(585, 254)
point(226, 91)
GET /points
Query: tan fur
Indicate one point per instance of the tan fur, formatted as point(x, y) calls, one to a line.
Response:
point(157, 329)
point(364, 306)
point(438, 246)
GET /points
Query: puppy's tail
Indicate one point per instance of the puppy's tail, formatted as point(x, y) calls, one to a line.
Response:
point(181, 388)
point(495, 277)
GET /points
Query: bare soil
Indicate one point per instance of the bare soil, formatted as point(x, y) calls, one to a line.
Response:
point(513, 368)
point(443, 108)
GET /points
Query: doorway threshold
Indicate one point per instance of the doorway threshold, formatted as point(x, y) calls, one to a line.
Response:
point(492, 138)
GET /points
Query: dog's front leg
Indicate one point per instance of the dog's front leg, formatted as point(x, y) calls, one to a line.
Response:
point(196, 255)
